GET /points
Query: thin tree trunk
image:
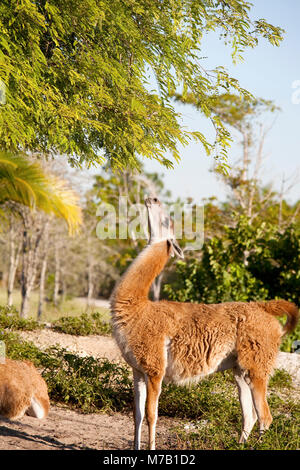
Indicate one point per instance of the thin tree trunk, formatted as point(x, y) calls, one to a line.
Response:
point(30, 250)
point(244, 174)
point(24, 284)
point(90, 288)
point(89, 273)
point(42, 288)
point(25, 303)
point(56, 276)
point(14, 256)
point(156, 287)
point(43, 276)
point(63, 290)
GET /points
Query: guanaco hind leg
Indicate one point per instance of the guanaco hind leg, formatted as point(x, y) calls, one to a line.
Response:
point(258, 387)
point(36, 409)
point(249, 415)
point(153, 392)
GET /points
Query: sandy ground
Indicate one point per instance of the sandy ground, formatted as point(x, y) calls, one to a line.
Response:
point(69, 429)
point(65, 429)
point(92, 345)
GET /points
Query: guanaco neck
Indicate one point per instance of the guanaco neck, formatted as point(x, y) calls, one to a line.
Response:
point(136, 282)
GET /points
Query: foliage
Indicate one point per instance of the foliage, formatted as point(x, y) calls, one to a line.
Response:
point(85, 324)
point(86, 383)
point(275, 262)
point(221, 275)
point(9, 318)
point(281, 379)
point(78, 74)
point(26, 182)
point(247, 263)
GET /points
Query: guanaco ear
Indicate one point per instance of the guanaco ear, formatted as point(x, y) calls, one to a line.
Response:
point(174, 249)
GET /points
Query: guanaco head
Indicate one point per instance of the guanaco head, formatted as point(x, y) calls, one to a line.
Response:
point(161, 226)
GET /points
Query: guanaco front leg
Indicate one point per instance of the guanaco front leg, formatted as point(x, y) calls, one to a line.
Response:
point(139, 405)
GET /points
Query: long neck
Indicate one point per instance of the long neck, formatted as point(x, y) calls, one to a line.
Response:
point(137, 280)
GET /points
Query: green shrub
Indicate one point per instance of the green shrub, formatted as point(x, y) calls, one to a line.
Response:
point(83, 382)
point(85, 324)
point(288, 340)
point(9, 318)
point(281, 379)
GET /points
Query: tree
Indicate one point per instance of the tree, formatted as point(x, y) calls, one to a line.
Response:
point(25, 187)
point(77, 75)
point(25, 182)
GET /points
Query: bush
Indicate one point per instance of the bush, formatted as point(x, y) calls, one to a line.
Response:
point(85, 324)
point(9, 318)
point(86, 383)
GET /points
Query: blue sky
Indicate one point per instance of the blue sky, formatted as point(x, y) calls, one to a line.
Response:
point(268, 72)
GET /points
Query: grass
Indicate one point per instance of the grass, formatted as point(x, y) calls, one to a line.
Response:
point(210, 410)
point(10, 319)
point(85, 324)
point(70, 307)
point(87, 384)
point(215, 417)
point(220, 431)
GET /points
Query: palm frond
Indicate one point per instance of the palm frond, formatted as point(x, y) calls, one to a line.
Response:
point(25, 182)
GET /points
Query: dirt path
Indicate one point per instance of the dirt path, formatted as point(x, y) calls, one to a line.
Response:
point(65, 429)
point(92, 345)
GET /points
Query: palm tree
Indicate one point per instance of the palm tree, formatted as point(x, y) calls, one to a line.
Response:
point(25, 182)
point(27, 189)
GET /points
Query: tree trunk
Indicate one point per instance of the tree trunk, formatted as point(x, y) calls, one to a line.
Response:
point(30, 251)
point(42, 288)
point(156, 287)
point(63, 290)
point(43, 275)
point(13, 265)
point(90, 289)
point(89, 273)
point(25, 303)
point(24, 278)
point(14, 255)
point(56, 276)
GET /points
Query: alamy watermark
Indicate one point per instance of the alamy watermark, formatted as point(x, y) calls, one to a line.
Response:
point(131, 221)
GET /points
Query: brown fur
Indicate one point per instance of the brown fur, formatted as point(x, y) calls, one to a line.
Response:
point(186, 341)
point(280, 308)
point(20, 382)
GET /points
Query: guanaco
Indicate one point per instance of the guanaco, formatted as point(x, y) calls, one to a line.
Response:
point(184, 342)
point(22, 390)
